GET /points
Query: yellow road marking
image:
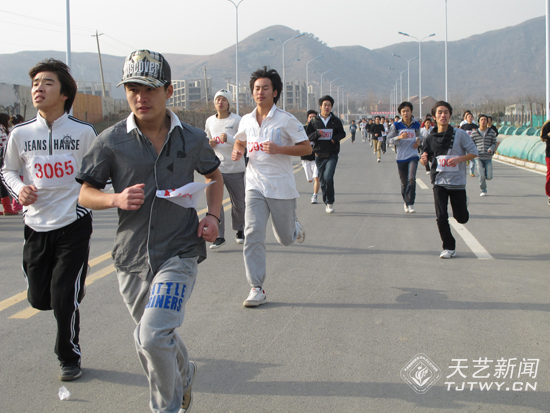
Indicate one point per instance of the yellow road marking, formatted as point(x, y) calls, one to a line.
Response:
point(8, 302)
point(26, 313)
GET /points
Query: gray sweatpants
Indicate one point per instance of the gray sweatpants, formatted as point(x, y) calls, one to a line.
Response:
point(285, 227)
point(157, 305)
point(235, 186)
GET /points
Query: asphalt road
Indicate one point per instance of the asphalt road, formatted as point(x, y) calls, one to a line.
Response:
point(347, 310)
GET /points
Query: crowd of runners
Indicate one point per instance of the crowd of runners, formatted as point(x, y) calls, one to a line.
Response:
point(57, 168)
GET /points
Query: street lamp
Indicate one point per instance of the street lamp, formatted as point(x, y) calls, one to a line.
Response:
point(338, 98)
point(446, 98)
point(322, 74)
point(236, 47)
point(330, 90)
point(307, 80)
point(284, 70)
point(401, 82)
point(344, 100)
point(419, 67)
point(408, 75)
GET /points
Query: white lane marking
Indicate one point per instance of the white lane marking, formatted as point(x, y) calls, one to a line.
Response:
point(520, 167)
point(470, 240)
point(421, 183)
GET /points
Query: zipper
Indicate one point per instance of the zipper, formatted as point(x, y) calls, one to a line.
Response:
point(50, 137)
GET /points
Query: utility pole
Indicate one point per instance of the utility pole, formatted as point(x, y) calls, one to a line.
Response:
point(205, 88)
point(96, 35)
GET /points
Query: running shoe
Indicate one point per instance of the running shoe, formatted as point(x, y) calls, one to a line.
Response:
point(447, 254)
point(239, 237)
point(314, 198)
point(256, 297)
point(70, 372)
point(217, 244)
point(188, 396)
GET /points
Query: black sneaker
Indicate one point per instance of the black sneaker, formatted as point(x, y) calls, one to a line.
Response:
point(70, 372)
point(239, 237)
point(217, 244)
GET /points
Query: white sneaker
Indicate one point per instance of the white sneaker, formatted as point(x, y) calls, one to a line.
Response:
point(406, 208)
point(378, 160)
point(427, 172)
point(314, 198)
point(411, 209)
point(483, 194)
point(301, 232)
point(256, 297)
point(447, 254)
point(188, 396)
point(330, 209)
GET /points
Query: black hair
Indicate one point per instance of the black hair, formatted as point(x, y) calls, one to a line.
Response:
point(377, 117)
point(270, 74)
point(4, 121)
point(405, 105)
point(17, 119)
point(326, 97)
point(466, 112)
point(489, 117)
point(442, 103)
point(311, 112)
point(68, 84)
point(483, 116)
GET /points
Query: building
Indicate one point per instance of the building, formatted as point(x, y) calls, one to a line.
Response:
point(93, 88)
point(190, 94)
point(296, 95)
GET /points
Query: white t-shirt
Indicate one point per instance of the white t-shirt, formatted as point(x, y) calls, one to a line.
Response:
point(230, 125)
point(272, 175)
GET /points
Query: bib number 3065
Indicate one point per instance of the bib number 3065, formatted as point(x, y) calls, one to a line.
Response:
point(53, 170)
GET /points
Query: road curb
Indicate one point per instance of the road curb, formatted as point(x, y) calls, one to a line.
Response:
point(521, 162)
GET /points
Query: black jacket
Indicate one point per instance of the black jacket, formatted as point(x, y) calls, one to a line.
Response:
point(324, 147)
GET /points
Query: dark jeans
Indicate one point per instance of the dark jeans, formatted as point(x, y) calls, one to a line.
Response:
point(407, 174)
point(326, 167)
point(352, 137)
point(460, 212)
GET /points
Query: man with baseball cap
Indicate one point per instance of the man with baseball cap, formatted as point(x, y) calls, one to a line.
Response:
point(158, 243)
point(221, 129)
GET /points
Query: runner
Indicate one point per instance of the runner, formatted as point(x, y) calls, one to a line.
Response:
point(377, 130)
point(485, 140)
point(272, 137)
point(326, 131)
point(309, 165)
point(469, 126)
point(220, 130)
point(352, 130)
point(369, 130)
point(544, 136)
point(405, 135)
point(158, 243)
point(363, 127)
point(450, 148)
point(49, 149)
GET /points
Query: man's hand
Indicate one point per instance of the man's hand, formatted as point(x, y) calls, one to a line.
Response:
point(212, 143)
point(208, 228)
point(455, 161)
point(403, 135)
point(28, 195)
point(271, 148)
point(236, 155)
point(223, 137)
point(416, 144)
point(131, 198)
point(424, 158)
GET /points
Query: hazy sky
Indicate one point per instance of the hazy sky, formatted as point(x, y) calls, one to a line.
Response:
point(208, 26)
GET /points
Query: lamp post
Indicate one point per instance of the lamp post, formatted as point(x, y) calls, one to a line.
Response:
point(408, 74)
point(322, 74)
point(346, 103)
point(338, 98)
point(330, 90)
point(401, 82)
point(307, 80)
point(546, 110)
point(419, 67)
point(284, 69)
point(446, 98)
point(236, 47)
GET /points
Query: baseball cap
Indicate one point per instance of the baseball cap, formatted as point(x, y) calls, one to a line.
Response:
point(147, 68)
point(226, 94)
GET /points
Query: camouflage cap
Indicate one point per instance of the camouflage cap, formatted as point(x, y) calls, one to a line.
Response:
point(147, 68)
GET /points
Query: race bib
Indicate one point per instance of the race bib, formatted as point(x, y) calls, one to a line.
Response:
point(325, 134)
point(410, 133)
point(443, 164)
point(54, 170)
point(218, 140)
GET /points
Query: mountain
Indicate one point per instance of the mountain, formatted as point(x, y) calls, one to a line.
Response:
point(502, 64)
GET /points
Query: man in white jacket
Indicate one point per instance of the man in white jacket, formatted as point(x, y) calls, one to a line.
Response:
point(49, 149)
